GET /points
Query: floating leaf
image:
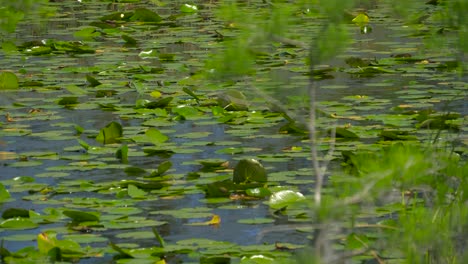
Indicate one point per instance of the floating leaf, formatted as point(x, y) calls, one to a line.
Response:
point(258, 192)
point(161, 103)
point(8, 81)
point(186, 8)
point(93, 82)
point(361, 19)
point(68, 101)
point(342, 132)
point(15, 212)
point(145, 15)
point(134, 192)
point(284, 198)
point(46, 242)
point(110, 134)
point(4, 194)
point(233, 100)
point(155, 136)
point(18, 223)
point(249, 170)
point(218, 189)
point(82, 216)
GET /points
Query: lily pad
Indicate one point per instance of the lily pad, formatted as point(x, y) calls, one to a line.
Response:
point(110, 134)
point(82, 216)
point(249, 170)
point(8, 81)
point(284, 198)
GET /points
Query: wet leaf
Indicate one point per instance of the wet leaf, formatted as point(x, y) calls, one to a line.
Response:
point(258, 192)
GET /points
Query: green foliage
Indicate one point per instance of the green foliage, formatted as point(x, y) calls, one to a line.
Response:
point(13, 12)
point(8, 81)
point(110, 134)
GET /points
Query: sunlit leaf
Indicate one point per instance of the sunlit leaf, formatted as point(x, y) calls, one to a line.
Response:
point(155, 136)
point(257, 259)
point(4, 194)
point(134, 192)
point(46, 241)
point(18, 223)
point(258, 192)
point(361, 19)
point(8, 81)
point(187, 8)
point(285, 198)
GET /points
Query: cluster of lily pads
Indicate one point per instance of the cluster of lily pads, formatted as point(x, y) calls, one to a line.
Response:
point(116, 144)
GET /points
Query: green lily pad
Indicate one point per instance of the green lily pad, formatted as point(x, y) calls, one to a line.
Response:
point(4, 194)
point(15, 212)
point(134, 192)
point(8, 81)
point(110, 134)
point(18, 223)
point(187, 8)
point(82, 216)
point(284, 198)
point(249, 170)
point(155, 136)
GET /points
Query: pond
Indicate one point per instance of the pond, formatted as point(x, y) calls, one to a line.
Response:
point(143, 76)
